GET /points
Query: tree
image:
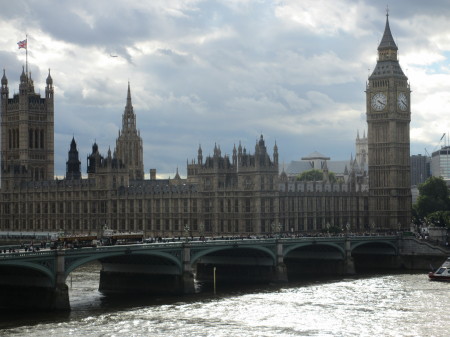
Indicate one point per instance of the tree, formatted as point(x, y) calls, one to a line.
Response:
point(316, 175)
point(433, 197)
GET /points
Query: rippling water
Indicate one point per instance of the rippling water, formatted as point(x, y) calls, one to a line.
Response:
point(376, 305)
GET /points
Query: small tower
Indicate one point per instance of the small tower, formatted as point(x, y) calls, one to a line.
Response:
point(200, 155)
point(73, 165)
point(275, 154)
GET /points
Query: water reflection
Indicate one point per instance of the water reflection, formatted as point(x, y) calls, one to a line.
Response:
point(367, 305)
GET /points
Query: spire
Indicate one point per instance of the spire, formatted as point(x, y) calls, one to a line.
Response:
point(23, 76)
point(4, 79)
point(49, 80)
point(73, 144)
point(129, 96)
point(387, 42)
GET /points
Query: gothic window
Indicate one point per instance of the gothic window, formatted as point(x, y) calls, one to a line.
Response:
point(42, 139)
point(36, 139)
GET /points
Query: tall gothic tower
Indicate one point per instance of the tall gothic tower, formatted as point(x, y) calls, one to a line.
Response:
point(27, 125)
point(388, 117)
point(129, 143)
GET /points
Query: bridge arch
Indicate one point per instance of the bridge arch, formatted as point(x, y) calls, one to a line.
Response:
point(45, 270)
point(97, 257)
point(293, 247)
point(358, 245)
point(199, 254)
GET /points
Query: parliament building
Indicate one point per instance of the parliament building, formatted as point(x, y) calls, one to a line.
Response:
point(242, 194)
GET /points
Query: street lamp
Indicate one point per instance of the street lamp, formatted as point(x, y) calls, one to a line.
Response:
point(186, 232)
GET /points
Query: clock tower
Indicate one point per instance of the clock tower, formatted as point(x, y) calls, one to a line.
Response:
point(388, 118)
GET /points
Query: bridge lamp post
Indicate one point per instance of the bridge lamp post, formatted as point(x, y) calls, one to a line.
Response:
point(201, 229)
point(347, 227)
point(328, 228)
point(186, 232)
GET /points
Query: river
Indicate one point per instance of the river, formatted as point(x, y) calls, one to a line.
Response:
point(370, 305)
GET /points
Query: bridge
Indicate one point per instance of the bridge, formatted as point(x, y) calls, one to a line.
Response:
point(38, 279)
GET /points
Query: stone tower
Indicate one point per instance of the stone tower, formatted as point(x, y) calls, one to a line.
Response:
point(129, 143)
point(361, 150)
point(27, 125)
point(388, 118)
point(73, 165)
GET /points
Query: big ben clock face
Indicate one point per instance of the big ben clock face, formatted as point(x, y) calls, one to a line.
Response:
point(379, 101)
point(402, 101)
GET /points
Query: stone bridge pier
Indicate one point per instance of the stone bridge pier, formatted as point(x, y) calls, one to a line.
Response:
point(148, 273)
point(349, 264)
point(31, 289)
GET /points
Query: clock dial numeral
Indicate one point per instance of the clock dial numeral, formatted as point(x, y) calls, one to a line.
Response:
point(379, 101)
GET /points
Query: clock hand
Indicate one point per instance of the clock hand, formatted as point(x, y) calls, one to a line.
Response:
point(380, 102)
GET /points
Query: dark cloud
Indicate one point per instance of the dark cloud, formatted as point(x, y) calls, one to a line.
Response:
point(203, 72)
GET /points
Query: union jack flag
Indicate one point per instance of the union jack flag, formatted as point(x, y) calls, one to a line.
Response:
point(22, 44)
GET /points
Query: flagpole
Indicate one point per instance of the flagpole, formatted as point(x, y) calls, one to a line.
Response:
point(26, 54)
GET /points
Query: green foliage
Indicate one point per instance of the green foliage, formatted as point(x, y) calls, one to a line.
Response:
point(433, 201)
point(316, 175)
point(439, 218)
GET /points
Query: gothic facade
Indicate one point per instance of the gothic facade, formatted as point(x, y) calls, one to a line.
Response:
point(388, 104)
point(241, 194)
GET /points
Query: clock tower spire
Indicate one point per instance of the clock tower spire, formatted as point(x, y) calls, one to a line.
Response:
point(388, 118)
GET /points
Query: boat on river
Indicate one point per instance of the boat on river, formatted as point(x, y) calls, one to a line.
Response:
point(442, 273)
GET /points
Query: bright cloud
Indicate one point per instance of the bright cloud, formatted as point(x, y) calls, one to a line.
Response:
point(221, 71)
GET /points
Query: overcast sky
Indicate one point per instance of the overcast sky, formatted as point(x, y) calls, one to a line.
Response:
point(223, 72)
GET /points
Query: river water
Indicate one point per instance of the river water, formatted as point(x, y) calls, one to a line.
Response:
point(369, 305)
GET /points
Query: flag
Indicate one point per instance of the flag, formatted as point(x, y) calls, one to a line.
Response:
point(22, 44)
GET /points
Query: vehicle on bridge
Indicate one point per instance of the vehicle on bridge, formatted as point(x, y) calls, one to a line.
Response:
point(442, 273)
point(75, 241)
point(111, 237)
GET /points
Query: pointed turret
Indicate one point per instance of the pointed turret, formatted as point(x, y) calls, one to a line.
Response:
point(23, 76)
point(387, 42)
point(275, 154)
point(4, 79)
point(200, 155)
point(73, 164)
point(49, 80)
point(177, 175)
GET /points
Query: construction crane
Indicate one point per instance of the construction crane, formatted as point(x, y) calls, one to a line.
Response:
point(440, 141)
